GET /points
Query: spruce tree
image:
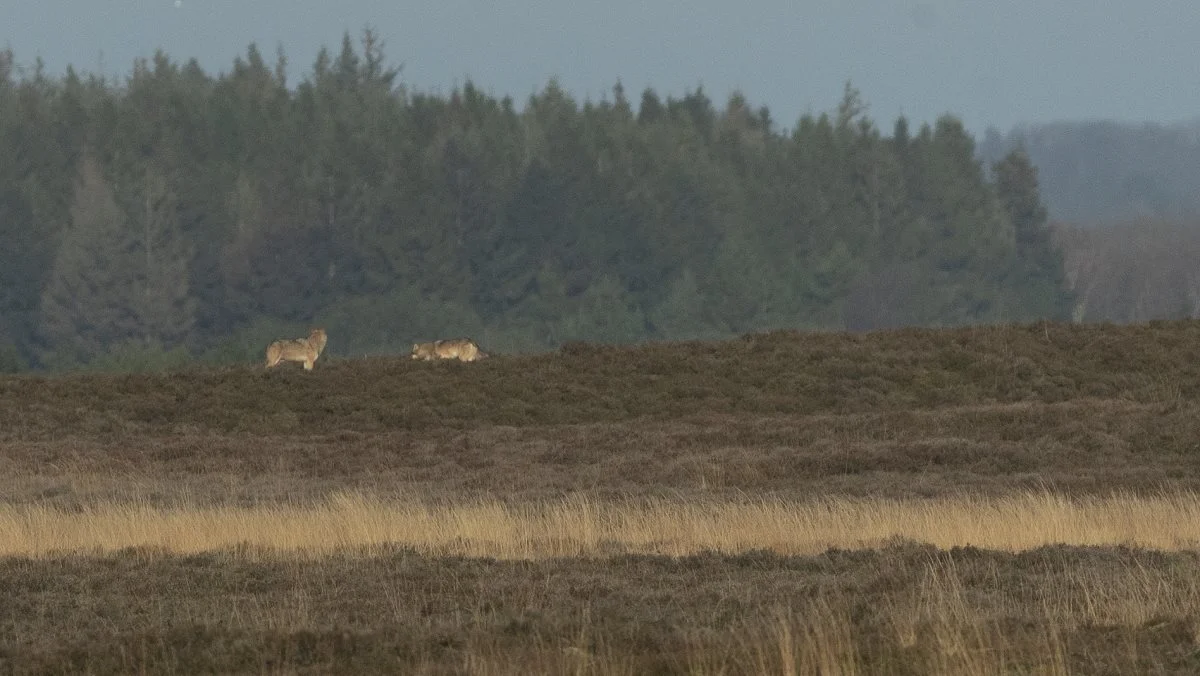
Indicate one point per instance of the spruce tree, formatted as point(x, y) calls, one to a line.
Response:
point(1037, 275)
point(116, 280)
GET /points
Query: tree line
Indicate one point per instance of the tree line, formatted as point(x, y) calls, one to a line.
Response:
point(177, 215)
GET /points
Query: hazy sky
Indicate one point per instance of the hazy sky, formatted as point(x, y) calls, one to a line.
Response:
point(991, 62)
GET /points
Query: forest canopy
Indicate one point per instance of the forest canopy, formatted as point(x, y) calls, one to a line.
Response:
point(176, 215)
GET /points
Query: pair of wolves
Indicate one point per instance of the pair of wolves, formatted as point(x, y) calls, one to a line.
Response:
point(308, 349)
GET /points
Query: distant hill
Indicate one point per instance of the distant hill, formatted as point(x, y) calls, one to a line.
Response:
point(1101, 172)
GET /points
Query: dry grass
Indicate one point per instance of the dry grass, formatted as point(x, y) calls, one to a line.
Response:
point(580, 527)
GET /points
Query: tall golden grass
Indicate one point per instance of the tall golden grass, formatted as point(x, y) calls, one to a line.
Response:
point(582, 527)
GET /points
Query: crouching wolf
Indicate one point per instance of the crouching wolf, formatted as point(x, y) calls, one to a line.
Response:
point(304, 349)
point(462, 349)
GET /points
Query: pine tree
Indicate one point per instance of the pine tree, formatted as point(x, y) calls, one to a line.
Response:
point(116, 281)
point(651, 109)
point(959, 232)
point(161, 299)
point(1038, 274)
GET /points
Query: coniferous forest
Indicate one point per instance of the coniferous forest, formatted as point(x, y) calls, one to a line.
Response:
point(175, 215)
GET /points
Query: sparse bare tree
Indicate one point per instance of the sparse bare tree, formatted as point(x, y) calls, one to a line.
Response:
point(1132, 272)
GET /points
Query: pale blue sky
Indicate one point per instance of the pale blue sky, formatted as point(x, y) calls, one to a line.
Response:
point(990, 62)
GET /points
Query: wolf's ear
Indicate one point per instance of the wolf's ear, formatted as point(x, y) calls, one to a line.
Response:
point(414, 347)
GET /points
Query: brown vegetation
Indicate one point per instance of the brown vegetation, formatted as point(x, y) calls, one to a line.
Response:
point(902, 609)
point(908, 413)
point(906, 420)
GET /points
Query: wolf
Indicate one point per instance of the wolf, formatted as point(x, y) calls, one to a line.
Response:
point(303, 349)
point(462, 349)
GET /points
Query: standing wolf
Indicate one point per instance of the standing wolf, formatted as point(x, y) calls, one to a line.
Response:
point(462, 349)
point(304, 349)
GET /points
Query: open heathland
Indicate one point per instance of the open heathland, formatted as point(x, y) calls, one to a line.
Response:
point(979, 500)
point(919, 412)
